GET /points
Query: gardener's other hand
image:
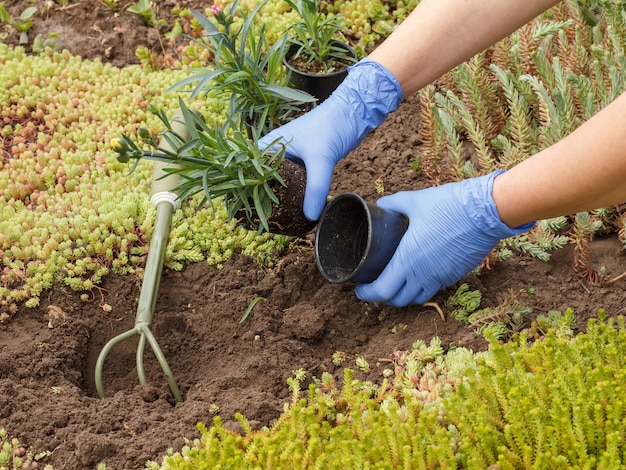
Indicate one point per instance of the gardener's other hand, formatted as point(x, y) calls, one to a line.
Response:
point(451, 230)
point(323, 136)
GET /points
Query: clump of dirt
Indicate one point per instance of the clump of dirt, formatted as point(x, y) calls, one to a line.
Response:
point(223, 365)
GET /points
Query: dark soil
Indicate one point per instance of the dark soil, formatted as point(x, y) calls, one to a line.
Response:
point(48, 354)
point(304, 64)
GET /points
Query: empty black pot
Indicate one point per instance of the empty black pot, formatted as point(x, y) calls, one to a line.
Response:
point(355, 240)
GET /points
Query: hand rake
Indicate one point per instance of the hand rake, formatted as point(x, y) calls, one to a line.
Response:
point(165, 202)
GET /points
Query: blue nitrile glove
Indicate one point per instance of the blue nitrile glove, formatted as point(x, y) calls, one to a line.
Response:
point(324, 135)
point(451, 229)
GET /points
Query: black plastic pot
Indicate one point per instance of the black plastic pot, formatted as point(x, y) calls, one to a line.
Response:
point(318, 85)
point(355, 239)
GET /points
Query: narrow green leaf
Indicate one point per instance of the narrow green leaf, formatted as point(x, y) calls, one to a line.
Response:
point(291, 94)
point(255, 301)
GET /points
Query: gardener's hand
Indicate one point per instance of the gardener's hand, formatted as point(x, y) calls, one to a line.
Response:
point(323, 136)
point(451, 230)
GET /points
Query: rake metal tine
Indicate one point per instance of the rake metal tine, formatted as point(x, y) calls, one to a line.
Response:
point(140, 348)
point(164, 365)
point(104, 353)
point(145, 334)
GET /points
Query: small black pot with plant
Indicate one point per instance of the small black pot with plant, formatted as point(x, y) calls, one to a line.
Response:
point(247, 71)
point(318, 56)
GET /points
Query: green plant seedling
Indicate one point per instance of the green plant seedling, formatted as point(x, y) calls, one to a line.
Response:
point(41, 43)
point(112, 5)
point(255, 301)
point(23, 23)
point(362, 364)
point(223, 162)
point(316, 35)
point(247, 71)
point(338, 357)
point(144, 8)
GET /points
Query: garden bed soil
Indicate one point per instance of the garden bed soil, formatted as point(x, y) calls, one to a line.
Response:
point(47, 354)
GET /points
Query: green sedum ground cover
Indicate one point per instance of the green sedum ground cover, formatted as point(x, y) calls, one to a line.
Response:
point(69, 211)
point(557, 403)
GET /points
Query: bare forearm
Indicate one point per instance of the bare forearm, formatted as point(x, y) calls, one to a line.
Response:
point(584, 171)
point(440, 34)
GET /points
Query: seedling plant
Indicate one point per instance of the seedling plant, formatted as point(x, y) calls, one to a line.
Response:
point(317, 38)
point(23, 23)
point(221, 162)
point(246, 71)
